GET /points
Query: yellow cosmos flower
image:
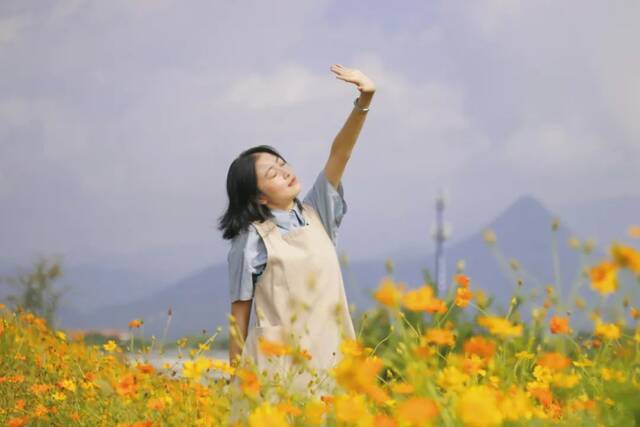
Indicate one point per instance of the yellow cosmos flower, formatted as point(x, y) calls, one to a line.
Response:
point(68, 385)
point(626, 257)
point(353, 348)
point(352, 410)
point(110, 346)
point(463, 297)
point(500, 326)
point(360, 376)
point(516, 405)
point(481, 298)
point(440, 336)
point(634, 231)
point(266, 415)
point(59, 396)
point(565, 380)
point(478, 407)
point(423, 299)
point(607, 331)
point(223, 366)
point(194, 369)
point(613, 375)
point(451, 378)
point(604, 278)
point(583, 363)
point(314, 412)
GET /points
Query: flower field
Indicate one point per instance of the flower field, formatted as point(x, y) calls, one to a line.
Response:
point(420, 359)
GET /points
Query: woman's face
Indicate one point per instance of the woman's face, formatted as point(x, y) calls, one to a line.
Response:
point(277, 181)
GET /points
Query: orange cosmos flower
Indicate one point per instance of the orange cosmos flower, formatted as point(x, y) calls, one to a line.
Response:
point(382, 420)
point(250, 383)
point(127, 386)
point(18, 421)
point(462, 280)
point(40, 411)
point(634, 231)
point(554, 361)
point(416, 411)
point(135, 323)
point(559, 325)
point(440, 336)
point(480, 346)
point(273, 348)
point(157, 404)
point(604, 277)
point(145, 368)
point(402, 388)
point(305, 354)
point(360, 376)
point(288, 408)
point(463, 296)
point(388, 294)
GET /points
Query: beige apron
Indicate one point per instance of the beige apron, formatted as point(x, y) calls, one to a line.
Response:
point(300, 296)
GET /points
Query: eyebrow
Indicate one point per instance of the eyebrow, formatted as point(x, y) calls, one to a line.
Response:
point(269, 168)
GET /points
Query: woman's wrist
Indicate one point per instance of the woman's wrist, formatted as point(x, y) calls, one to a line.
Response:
point(365, 98)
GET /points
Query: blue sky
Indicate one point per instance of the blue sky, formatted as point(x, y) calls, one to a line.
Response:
point(118, 119)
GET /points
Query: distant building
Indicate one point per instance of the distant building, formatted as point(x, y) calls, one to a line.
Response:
point(440, 235)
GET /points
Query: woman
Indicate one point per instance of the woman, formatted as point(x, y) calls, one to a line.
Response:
point(283, 260)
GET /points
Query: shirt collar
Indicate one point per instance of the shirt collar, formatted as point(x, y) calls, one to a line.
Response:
point(282, 214)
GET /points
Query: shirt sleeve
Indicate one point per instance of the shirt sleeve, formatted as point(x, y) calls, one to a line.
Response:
point(246, 260)
point(329, 203)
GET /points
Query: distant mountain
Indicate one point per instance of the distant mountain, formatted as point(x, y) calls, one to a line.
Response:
point(90, 286)
point(198, 302)
point(523, 232)
point(603, 219)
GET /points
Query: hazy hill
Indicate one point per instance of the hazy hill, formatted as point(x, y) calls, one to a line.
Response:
point(523, 233)
point(201, 300)
point(603, 220)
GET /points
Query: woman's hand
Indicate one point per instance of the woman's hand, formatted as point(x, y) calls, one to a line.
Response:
point(357, 77)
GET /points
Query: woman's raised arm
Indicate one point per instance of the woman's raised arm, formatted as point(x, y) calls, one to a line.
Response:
point(345, 140)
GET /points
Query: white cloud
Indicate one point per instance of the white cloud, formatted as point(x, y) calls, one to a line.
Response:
point(11, 28)
point(492, 16)
point(289, 84)
point(125, 123)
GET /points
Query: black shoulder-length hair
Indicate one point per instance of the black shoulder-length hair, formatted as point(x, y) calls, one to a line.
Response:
point(243, 193)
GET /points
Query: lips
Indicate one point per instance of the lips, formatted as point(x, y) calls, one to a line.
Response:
point(293, 181)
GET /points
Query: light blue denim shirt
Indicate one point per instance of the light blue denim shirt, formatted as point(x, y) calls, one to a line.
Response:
point(247, 257)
